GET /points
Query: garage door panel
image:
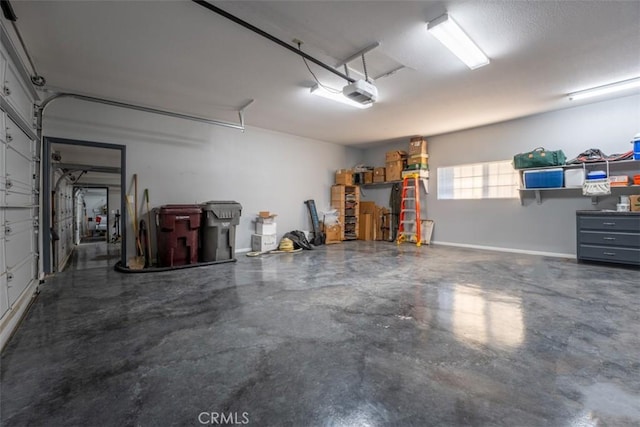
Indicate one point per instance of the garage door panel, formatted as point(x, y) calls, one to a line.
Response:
point(3, 127)
point(17, 198)
point(3, 63)
point(3, 265)
point(18, 140)
point(19, 172)
point(12, 215)
point(19, 278)
point(18, 239)
point(4, 294)
point(19, 169)
point(17, 94)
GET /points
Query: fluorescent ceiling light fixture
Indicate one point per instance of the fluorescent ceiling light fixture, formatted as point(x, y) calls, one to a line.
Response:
point(606, 89)
point(449, 33)
point(337, 96)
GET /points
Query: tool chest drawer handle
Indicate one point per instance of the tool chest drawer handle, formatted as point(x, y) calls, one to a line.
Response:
point(609, 253)
point(608, 238)
point(608, 223)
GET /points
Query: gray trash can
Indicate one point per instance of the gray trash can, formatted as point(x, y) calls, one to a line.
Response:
point(218, 228)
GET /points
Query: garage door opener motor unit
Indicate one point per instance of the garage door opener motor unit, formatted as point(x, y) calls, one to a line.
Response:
point(361, 91)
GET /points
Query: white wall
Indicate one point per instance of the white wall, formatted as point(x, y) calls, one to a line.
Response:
point(182, 161)
point(548, 227)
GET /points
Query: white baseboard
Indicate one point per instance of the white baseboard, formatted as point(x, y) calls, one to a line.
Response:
point(510, 250)
point(12, 318)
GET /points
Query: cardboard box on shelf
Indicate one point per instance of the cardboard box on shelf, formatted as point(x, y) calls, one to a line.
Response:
point(422, 173)
point(395, 155)
point(368, 177)
point(418, 159)
point(618, 180)
point(344, 177)
point(378, 175)
point(393, 170)
point(419, 166)
point(417, 145)
point(634, 202)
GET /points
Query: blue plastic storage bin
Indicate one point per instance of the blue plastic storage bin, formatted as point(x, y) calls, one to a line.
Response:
point(545, 178)
point(636, 147)
point(597, 175)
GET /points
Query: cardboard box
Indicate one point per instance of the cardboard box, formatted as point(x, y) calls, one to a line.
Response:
point(421, 173)
point(333, 233)
point(417, 145)
point(378, 175)
point(619, 180)
point(393, 170)
point(416, 167)
point(366, 227)
point(417, 159)
point(383, 231)
point(262, 228)
point(634, 201)
point(368, 177)
point(395, 155)
point(263, 243)
point(266, 217)
point(344, 177)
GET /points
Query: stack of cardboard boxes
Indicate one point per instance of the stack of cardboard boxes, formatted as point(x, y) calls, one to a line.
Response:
point(265, 238)
point(374, 222)
point(399, 164)
point(418, 160)
point(395, 162)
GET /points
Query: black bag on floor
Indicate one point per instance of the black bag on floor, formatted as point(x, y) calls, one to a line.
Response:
point(298, 239)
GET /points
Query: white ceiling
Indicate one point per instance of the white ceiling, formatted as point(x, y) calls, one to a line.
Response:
point(176, 55)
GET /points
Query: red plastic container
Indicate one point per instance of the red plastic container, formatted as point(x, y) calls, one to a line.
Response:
point(178, 234)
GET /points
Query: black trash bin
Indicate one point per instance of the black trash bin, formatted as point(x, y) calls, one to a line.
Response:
point(218, 230)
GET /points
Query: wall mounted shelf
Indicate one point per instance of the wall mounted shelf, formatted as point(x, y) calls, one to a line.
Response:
point(625, 167)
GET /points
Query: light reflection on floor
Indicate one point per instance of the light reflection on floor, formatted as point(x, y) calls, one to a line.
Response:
point(477, 317)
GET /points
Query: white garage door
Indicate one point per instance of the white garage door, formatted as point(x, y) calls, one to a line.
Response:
point(17, 201)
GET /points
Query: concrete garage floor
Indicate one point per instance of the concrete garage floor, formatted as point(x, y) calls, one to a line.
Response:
point(357, 334)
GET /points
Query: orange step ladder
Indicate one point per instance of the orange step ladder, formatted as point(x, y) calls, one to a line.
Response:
point(409, 229)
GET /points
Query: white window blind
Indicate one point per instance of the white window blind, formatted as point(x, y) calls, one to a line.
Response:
point(491, 180)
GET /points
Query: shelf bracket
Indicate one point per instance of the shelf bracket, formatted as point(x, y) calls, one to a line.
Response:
point(538, 197)
point(594, 200)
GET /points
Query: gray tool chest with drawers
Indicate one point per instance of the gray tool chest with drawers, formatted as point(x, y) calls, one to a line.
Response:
point(608, 236)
